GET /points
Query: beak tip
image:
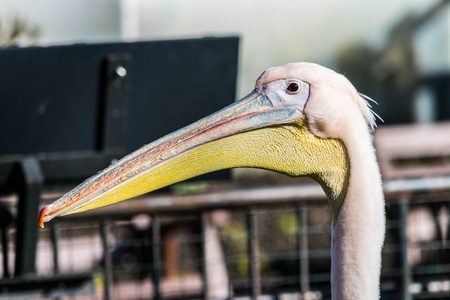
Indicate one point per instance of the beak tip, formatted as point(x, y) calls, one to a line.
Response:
point(42, 216)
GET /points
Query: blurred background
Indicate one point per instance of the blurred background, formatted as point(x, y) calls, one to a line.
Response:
point(397, 52)
point(331, 34)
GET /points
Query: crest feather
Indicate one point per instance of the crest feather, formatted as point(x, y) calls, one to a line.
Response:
point(367, 111)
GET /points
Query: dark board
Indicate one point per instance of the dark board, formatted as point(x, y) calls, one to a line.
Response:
point(51, 97)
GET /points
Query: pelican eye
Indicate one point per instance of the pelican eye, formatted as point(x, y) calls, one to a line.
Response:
point(292, 88)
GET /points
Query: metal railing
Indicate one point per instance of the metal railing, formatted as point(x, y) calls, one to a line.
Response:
point(282, 233)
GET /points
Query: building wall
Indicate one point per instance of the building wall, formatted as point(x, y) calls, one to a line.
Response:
point(63, 22)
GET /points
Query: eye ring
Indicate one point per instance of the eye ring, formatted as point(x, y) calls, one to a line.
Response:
point(292, 88)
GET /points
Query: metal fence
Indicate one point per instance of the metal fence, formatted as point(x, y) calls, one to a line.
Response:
point(237, 242)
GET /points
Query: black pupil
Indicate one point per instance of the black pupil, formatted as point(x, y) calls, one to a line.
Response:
point(293, 87)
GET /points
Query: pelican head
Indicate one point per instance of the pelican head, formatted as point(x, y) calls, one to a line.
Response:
point(296, 121)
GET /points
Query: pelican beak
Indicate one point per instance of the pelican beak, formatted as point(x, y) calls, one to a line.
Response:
point(220, 141)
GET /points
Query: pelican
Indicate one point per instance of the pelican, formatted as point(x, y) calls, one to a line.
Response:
point(301, 119)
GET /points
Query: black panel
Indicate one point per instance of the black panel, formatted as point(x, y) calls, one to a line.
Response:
point(59, 102)
point(50, 97)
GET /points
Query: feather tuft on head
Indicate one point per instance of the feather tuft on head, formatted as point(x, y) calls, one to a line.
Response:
point(368, 112)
